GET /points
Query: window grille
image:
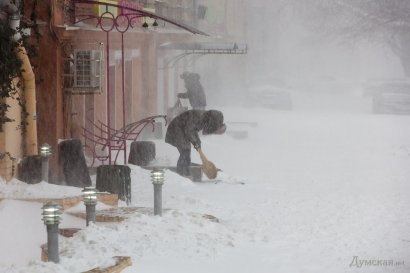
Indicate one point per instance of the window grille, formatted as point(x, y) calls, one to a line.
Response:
point(87, 69)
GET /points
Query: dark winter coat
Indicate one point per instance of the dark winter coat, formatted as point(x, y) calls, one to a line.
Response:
point(195, 93)
point(183, 130)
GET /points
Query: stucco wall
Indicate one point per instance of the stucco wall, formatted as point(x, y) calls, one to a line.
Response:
point(11, 139)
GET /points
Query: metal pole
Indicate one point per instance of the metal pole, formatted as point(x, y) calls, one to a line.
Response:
point(90, 201)
point(108, 98)
point(158, 199)
point(90, 213)
point(44, 168)
point(123, 93)
point(157, 177)
point(52, 243)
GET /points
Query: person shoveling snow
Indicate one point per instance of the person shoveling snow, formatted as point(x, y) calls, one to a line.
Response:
point(183, 131)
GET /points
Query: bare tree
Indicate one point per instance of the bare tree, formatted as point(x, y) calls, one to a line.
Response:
point(386, 22)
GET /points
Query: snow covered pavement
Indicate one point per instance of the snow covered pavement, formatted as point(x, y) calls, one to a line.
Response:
point(322, 192)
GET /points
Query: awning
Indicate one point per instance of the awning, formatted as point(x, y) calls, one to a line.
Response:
point(130, 13)
point(207, 47)
point(202, 49)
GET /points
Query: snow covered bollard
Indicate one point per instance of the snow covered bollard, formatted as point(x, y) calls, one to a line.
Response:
point(90, 201)
point(51, 218)
point(45, 152)
point(157, 178)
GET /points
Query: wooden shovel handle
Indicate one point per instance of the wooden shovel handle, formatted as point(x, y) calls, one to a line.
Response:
point(201, 154)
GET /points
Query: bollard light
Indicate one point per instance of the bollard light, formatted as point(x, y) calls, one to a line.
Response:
point(51, 213)
point(89, 196)
point(51, 218)
point(45, 150)
point(157, 178)
point(90, 201)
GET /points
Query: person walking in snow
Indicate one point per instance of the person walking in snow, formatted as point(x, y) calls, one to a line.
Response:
point(183, 131)
point(195, 93)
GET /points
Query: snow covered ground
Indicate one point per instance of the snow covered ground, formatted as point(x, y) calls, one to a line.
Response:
point(323, 188)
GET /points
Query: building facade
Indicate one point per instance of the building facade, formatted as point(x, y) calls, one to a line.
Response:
point(102, 63)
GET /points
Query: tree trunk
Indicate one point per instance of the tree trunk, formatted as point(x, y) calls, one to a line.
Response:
point(29, 169)
point(141, 153)
point(400, 46)
point(73, 164)
point(115, 179)
point(405, 62)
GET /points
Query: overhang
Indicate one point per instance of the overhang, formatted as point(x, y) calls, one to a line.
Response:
point(207, 47)
point(129, 14)
point(202, 49)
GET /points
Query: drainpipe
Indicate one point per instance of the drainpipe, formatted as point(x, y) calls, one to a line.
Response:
point(30, 100)
point(28, 77)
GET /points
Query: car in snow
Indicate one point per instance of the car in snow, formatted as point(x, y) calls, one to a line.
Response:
point(271, 97)
point(391, 98)
point(374, 85)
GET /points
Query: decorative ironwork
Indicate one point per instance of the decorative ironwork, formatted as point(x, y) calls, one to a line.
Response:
point(125, 18)
point(101, 137)
point(201, 49)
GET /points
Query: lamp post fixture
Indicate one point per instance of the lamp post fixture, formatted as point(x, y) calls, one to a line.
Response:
point(90, 201)
point(51, 218)
point(45, 152)
point(157, 178)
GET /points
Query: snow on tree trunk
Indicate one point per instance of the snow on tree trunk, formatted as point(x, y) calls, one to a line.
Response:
point(141, 153)
point(115, 179)
point(73, 164)
point(29, 169)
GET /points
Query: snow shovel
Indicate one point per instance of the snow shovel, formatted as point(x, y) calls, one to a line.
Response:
point(207, 166)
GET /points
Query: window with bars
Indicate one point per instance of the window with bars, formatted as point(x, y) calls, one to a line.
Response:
point(87, 69)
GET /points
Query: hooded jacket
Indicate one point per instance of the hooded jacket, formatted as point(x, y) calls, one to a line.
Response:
point(195, 93)
point(183, 130)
